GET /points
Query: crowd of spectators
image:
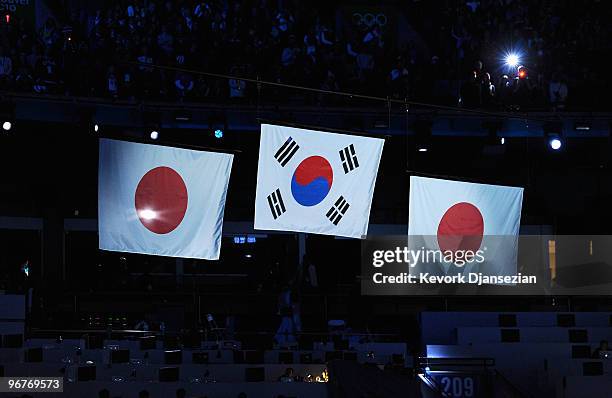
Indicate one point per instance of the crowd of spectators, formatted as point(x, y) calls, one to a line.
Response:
point(448, 52)
point(561, 45)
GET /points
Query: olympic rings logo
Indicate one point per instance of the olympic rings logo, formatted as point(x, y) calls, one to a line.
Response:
point(369, 19)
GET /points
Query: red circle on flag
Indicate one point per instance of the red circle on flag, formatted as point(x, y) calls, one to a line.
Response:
point(461, 228)
point(161, 200)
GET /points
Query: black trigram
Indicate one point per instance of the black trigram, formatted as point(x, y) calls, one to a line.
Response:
point(349, 158)
point(337, 211)
point(275, 201)
point(286, 152)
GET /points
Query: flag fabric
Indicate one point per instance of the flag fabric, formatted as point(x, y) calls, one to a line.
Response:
point(451, 215)
point(161, 200)
point(316, 182)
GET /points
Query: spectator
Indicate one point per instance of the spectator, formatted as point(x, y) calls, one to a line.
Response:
point(311, 276)
point(165, 40)
point(290, 53)
point(143, 394)
point(6, 65)
point(557, 90)
point(142, 325)
point(237, 88)
point(503, 89)
point(145, 58)
point(104, 393)
point(184, 85)
point(45, 73)
point(286, 331)
point(487, 91)
point(471, 92)
point(49, 33)
point(128, 82)
point(112, 84)
point(461, 36)
point(522, 89)
point(330, 82)
point(310, 43)
point(374, 36)
point(601, 350)
point(399, 79)
point(287, 377)
point(181, 393)
point(23, 79)
point(68, 57)
point(472, 5)
point(323, 35)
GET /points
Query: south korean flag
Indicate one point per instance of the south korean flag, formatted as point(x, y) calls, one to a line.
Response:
point(316, 182)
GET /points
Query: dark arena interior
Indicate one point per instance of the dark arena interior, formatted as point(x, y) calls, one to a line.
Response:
point(300, 199)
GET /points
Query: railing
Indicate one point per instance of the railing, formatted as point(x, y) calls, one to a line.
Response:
point(245, 117)
point(321, 336)
point(433, 364)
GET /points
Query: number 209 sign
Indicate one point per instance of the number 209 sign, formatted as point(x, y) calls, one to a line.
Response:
point(457, 386)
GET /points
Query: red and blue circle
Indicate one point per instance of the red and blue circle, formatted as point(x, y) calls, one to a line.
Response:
point(312, 181)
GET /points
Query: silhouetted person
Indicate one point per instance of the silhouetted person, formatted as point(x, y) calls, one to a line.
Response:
point(287, 377)
point(522, 88)
point(471, 91)
point(487, 91)
point(601, 350)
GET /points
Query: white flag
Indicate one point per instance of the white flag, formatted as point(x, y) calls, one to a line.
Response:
point(316, 182)
point(161, 200)
point(453, 215)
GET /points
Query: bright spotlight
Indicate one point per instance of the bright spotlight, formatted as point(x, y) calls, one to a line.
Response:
point(512, 60)
point(422, 149)
point(503, 140)
point(96, 127)
point(218, 133)
point(148, 214)
point(154, 135)
point(6, 126)
point(555, 143)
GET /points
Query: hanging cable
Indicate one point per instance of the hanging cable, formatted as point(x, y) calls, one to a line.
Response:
point(342, 93)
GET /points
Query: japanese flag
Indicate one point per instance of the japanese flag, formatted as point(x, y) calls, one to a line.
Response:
point(161, 200)
point(455, 215)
